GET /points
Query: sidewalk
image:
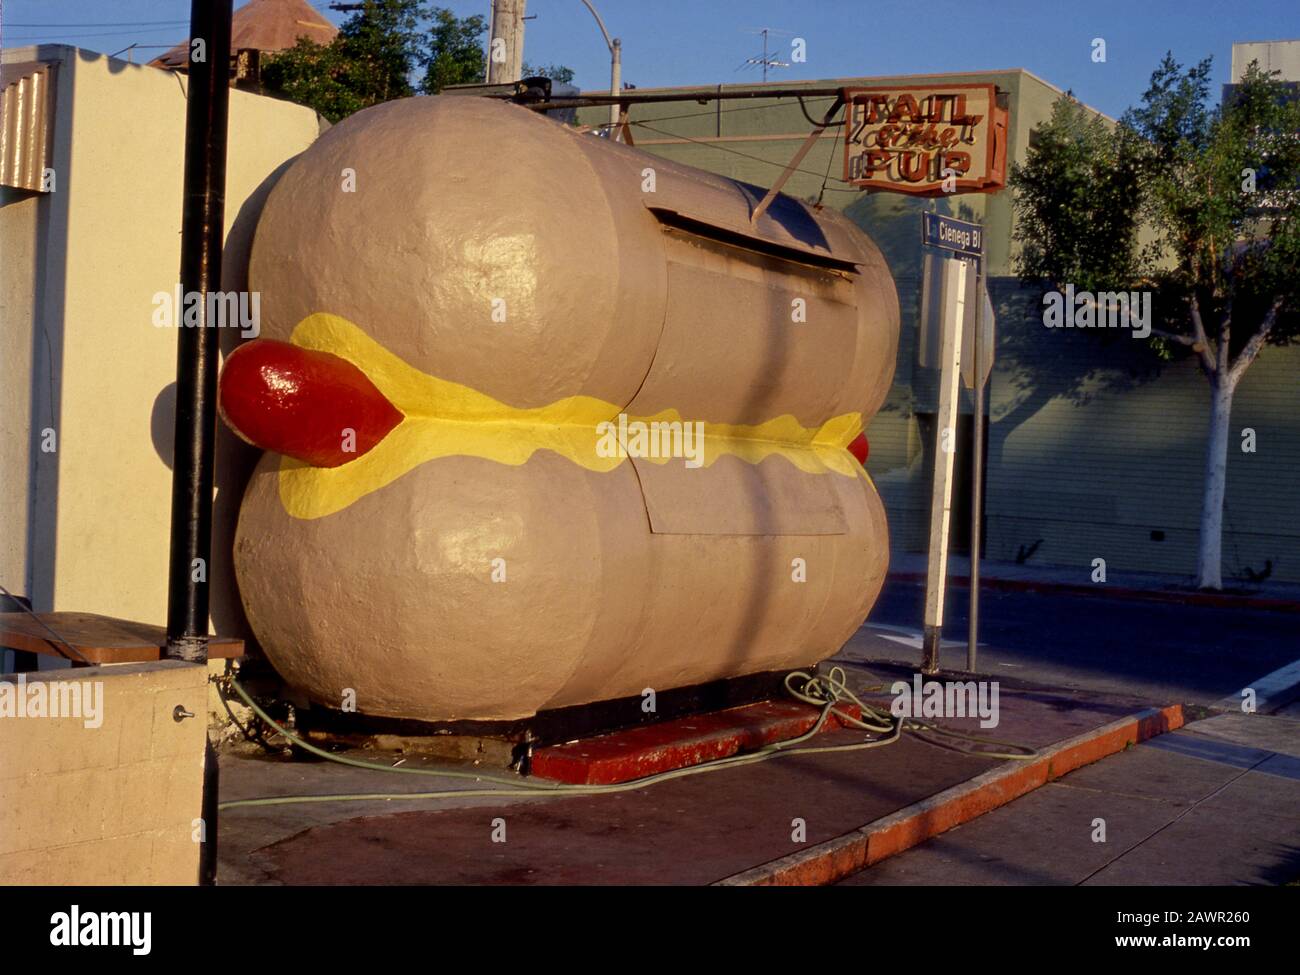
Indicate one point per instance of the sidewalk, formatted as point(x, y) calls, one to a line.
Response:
point(1214, 803)
point(1272, 595)
point(739, 825)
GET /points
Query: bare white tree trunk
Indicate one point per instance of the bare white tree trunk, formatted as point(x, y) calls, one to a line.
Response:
point(1209, 569)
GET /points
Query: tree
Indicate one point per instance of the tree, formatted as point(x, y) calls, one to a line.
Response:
point(454, 55)
point(1199, 205)
point(375, 56)
point(558, 73)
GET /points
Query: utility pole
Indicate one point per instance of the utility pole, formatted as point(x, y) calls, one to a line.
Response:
point(506, 46)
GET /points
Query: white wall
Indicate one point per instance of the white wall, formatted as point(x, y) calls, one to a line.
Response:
point(86, 527)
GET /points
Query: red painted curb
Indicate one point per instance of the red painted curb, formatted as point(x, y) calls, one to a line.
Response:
point(648, 750)
point(1221, 600)
point(836, 859)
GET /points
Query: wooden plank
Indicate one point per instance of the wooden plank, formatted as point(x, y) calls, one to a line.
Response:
point(97, 639)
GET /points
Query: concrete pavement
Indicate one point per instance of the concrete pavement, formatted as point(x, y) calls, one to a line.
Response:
point(696, 830)
point(1217, 802)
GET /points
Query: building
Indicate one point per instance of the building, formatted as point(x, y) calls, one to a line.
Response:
point(1280, 56)
point(260, 27)
point(87, 392)
point(1094, 450)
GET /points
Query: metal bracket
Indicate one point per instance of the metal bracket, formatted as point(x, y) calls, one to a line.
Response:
point(813, 136)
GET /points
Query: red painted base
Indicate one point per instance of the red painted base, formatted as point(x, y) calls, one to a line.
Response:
point(638, 752)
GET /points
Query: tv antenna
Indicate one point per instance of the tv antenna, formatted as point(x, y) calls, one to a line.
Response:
point(766, 60)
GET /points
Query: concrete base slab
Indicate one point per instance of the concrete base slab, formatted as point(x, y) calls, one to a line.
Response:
point(637, 753)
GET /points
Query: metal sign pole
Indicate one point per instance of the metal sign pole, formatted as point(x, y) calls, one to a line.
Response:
point(945, 445)
point(965, 242)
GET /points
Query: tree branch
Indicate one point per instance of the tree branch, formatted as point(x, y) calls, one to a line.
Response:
point(1256, 342)
point(1202, 342)
point(1186, 340)
point(1225, 340)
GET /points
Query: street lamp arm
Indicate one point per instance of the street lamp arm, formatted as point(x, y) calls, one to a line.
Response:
point(601, 24)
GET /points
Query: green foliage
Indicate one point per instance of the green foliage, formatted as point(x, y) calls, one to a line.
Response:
point(558, 73)
point(1200, 203)
point(1077, 201)
point(314, 75)
point(375, 57)
point(380, 44)
point(454, 55)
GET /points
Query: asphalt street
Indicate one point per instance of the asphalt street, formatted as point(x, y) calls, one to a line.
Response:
point(1163, 651)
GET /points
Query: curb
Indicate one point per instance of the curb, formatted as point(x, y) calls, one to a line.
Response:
point(1220, 600)
point(835, 859)
point(1272, 691)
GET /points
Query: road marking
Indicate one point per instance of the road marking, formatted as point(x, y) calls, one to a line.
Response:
point(1271, 691)
point(908, 636)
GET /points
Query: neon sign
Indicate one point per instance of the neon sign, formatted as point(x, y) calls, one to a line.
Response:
point(926, 141)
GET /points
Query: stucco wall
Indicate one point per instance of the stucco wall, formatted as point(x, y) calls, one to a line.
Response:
point(96, 510)
point(20, 216)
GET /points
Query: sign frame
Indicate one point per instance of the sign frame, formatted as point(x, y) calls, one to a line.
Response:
point(995, 158)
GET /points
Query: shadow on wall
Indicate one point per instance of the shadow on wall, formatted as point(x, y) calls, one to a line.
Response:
point(1036, 365)
point(893, 221)
point(49, 306)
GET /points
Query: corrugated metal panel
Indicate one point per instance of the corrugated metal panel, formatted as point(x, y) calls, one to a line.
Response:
point(1100, 454)
point(26, 124)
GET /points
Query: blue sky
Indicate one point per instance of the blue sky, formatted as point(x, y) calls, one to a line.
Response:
point(672, 42)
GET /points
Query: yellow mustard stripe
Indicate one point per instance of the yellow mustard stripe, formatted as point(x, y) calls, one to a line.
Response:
point(446, 419)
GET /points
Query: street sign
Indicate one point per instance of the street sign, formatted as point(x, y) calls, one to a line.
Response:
point(926, 140)
point(951, 234)
point(984, 329)
point(965, 354)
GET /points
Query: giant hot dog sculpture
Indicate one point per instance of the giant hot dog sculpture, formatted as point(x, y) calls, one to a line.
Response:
point(548, 421)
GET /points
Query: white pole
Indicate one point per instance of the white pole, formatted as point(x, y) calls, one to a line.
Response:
point(945, 446)
point(615, 66)
point(615, 79)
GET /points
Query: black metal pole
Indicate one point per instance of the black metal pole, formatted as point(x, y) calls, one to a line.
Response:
point(198, 352)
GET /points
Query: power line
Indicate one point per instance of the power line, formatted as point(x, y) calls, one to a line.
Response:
point(744, 155)
point(105, 33)
point(713, 112)
point(121, 23)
